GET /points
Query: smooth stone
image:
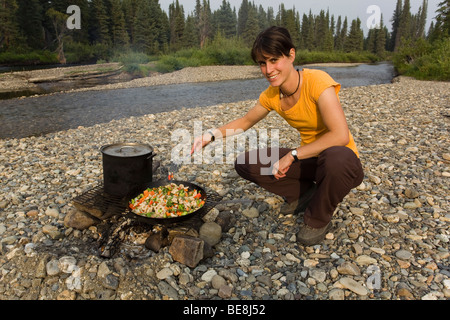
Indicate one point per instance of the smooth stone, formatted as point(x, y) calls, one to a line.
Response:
point(403, 254)
point(354, 286)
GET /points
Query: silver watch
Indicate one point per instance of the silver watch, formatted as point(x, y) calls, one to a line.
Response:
point(294, 154)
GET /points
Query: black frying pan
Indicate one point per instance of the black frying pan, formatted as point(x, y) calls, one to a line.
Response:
point(166, 221)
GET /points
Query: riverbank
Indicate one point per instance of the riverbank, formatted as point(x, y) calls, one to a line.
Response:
point(30, 80)
point(72, 77)
point(390, 239)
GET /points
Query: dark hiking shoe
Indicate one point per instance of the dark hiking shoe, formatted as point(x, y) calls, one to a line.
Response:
point(310, 236)
point(301, 204)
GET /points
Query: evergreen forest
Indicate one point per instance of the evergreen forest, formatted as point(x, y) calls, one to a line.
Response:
point(137, 32)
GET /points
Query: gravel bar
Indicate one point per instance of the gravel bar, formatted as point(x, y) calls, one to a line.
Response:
point(390, 237)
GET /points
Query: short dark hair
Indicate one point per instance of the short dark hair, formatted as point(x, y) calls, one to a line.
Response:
point(274, 41)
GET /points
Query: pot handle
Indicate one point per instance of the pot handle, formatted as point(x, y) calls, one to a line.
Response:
point(151, 156)
point(127, 147)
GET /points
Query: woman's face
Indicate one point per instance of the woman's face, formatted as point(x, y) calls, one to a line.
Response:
point(276, 69)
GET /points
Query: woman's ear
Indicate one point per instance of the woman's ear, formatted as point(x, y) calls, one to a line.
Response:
point(292, 54)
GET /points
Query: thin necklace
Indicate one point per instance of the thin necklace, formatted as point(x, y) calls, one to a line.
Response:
point(282, 94)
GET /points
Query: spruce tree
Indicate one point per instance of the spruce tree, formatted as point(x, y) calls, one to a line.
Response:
point(355, 39)
point(404, 25)
point(129, 11)
point(380, 39)
point(29, 19)
point(176, 22)
point(203, 19)
point(395, 37)
point(421, 20)
point(307, 31)
point(281, 15)
point(344, 34)
point(160, 27)
point(119, 33)
point(225, 20)
point(262, 18)
point(99, 23)
point(369, 42)
point(337, 36)
point(9, 28)
point(270, 17)
point(292, 24)
point(191, 33)
point(328, 42)
point(242, 17)
point(443, 17)
point(251, 29)
point(441, 29)
point(143, 36)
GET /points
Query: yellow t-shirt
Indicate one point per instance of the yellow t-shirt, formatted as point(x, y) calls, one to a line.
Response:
point(305, 115)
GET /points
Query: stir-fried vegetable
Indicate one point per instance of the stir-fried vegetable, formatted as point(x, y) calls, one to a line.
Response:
point(168, 201)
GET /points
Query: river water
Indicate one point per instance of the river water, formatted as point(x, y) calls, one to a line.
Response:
point(45, 114)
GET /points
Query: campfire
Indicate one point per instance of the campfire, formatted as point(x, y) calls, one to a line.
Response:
point(128, 169)
point(118, 228)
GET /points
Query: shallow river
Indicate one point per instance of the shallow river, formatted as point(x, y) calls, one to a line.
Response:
point(40, 115)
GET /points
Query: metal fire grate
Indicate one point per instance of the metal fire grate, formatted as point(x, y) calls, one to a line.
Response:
point(103, 206)
point(100, 204)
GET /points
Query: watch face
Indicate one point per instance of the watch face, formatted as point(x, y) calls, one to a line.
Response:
point(294, 155)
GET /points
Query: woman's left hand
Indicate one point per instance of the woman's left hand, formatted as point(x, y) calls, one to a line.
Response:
point(282, 166)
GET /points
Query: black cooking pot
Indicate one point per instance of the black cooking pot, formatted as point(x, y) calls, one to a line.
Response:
point(127, 168)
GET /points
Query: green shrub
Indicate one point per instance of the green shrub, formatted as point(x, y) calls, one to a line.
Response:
point(423, 60)
point(227, 51)
point(137, 69)
point(134, 62)
point(33, 57)
point(307, 57)
point(170, 63)
point(77, 52)
point(130, 57)
point(219, 51)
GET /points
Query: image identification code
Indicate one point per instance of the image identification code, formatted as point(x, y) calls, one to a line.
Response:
point(233, 309)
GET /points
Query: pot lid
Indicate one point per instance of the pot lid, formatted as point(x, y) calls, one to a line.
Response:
point(127, 149)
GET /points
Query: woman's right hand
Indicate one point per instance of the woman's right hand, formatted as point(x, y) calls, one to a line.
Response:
point(199, 143)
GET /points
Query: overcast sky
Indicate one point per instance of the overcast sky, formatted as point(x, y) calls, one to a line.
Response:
point(345, 8)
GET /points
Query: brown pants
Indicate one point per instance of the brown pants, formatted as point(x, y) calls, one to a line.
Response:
point(336, 171)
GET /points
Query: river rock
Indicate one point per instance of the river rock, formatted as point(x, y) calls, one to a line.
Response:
point(209, 275)
point(187, 250)
point(52, 211)
point(403, 254)
point(225, 291)
point(52, 231)
point(218, 281)
point(211, 233)
point(52, 267)
point(354, 286)
point(318, 275)
point(348, 268)
point(336, 294)
point(79, 220)
point(364, 260)
point(164, 273)
point(251, 212)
